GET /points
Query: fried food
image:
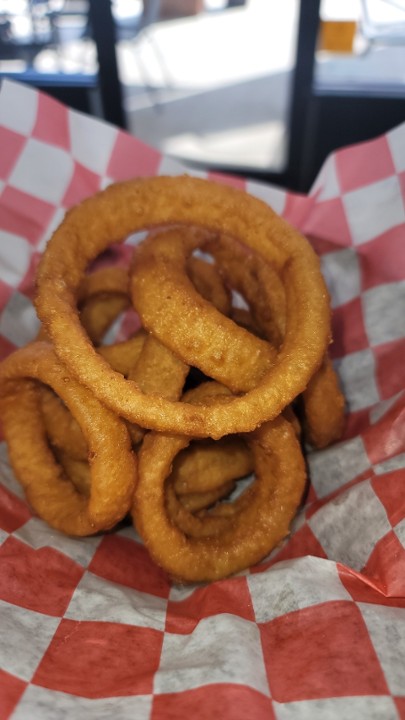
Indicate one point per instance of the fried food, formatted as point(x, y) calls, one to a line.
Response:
point(207, 464)
point(324, 406)
point(113, 465)
point(257, 282)
point(231, 303)
point(77, 471)
point(61, 427)
point(157, 371)
point(123, 356)
point(195, 501)
point(262, 288)
point(234, 356)
point(208, 283)
point(221, 542)
point(125, 208)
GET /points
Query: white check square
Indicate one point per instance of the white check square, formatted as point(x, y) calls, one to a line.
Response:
point(384, 312)
point(222, 649)
point(18, 107)
point(357, 376)
point(368, 707)
point(40, 703)
point(386, 627)
point(38, 534)
point(42, 170)
point(91, 141)
point(96, 599)
point(19, 322)
point(350, 525)
point(292, 585)
point(15, 255)
point(374, 209)
point(342, 275)
point(396, 141)
point(337, 465)
point(28, 635)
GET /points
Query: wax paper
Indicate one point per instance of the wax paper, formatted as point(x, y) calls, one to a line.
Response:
point(90, 628)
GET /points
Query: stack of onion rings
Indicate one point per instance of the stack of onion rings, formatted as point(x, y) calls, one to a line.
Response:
point(211, 476)
point(113, 473)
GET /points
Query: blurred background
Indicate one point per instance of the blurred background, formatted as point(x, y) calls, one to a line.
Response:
point(255, 87)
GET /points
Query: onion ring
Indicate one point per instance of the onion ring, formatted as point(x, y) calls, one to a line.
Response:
point(62, 429)
point(192, 526)
point(112, 463)
point(122, 356)
point(98, 314)
point(243, 535)
point(207, 464)
point(324, 406)
point(195, 501)
point(258, 282)
point(124, 208)
point(208, 283)
point(77, 471)
point(102, 297)
point(233, 357)
point(254, 532)
point(157, 371)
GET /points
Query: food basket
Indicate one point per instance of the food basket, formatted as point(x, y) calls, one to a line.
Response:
point(91, 628)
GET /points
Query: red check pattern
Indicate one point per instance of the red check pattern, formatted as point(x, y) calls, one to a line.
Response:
point(90, 627)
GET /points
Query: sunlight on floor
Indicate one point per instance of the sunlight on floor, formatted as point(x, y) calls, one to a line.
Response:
point(214, 87)
point(260, 146)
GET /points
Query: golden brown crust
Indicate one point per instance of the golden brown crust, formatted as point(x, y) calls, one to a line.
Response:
point(127, 207)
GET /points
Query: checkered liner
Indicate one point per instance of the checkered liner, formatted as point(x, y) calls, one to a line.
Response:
point(90, 628)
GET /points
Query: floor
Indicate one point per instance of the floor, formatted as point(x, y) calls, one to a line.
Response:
point(215, 87)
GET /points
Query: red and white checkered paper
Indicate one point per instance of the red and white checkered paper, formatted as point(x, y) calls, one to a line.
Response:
point(90, 628)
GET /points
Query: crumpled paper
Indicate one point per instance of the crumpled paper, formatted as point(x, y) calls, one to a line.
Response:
point(90, 627)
